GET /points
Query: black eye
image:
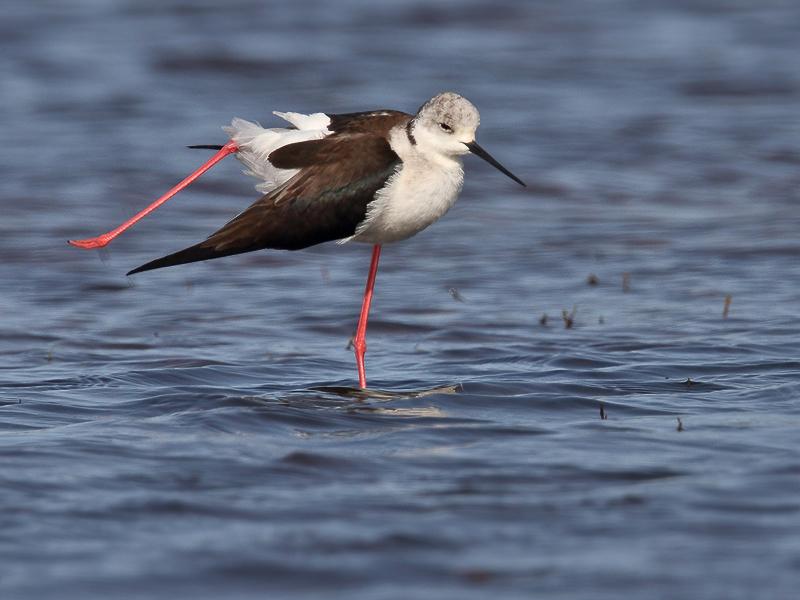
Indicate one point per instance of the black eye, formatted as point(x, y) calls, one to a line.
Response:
point(446, 128)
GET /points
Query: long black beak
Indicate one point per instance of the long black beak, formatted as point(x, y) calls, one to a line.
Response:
point(478, 151)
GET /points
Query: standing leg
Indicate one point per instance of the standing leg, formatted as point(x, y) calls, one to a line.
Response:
point(360, 341)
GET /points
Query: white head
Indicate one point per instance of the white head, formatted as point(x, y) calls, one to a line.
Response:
point(445, 125)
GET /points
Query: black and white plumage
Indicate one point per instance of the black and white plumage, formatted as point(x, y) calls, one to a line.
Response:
point(375, 177)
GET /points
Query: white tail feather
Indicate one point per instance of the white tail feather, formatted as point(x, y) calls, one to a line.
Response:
point(257, 143)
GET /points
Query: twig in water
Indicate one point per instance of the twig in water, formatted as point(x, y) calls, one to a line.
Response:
point(680, 425)
point(727, 306)
point(455, 294)
point(603, 415)
point(543, 320)
point(569, 317)
point(626, 282)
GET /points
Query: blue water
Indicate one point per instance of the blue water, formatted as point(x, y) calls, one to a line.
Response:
point(182, 433)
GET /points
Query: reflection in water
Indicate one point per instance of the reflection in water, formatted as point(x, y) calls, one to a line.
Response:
point(373, 394)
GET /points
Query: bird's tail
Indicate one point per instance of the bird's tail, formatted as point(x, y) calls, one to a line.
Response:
point(198, 252)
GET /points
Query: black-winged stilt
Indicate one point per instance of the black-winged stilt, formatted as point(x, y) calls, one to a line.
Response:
point(376, 177)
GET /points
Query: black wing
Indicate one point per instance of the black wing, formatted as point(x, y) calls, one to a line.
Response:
point(374, 122)
point(325, 201)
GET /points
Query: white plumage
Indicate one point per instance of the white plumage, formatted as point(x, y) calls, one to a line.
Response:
point(416, 196)
point(430, 174)
point(257, 143)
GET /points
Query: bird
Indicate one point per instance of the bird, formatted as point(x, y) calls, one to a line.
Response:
point(374, 177)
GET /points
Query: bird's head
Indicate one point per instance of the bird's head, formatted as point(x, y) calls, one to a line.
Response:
point(446, 125)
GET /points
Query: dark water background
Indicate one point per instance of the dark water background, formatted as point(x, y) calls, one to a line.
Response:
point(159, 435)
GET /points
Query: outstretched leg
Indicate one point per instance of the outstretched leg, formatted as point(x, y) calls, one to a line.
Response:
point(360, 341)
point(104, 239)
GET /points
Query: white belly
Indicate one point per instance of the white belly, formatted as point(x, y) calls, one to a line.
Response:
point(419, 194)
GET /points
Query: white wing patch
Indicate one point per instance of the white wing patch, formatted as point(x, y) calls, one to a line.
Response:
point(305, 122)
point(257, 143)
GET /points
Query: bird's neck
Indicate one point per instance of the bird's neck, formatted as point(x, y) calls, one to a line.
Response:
point(412, 151)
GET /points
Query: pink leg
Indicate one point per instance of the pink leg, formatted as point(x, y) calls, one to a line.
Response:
point(104, 239)
point(360, 341)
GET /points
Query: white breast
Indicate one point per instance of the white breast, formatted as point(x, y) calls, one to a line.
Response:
point(416, 196)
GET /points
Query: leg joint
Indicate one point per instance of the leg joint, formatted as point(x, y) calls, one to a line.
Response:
point(359, 345)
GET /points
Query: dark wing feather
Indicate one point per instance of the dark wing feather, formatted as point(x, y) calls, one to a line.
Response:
point(325, 201)
point(373, 126)
point(374, 122)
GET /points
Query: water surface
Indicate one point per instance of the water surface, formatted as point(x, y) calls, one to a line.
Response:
point(176, 434)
